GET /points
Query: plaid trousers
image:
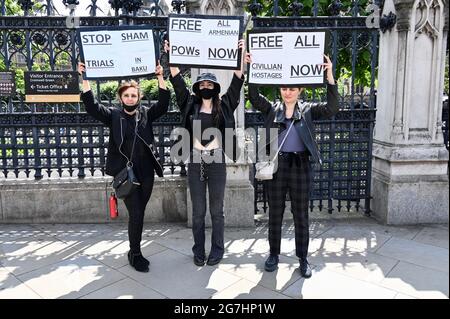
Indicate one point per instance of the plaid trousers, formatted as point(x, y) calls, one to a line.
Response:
point(293, 175)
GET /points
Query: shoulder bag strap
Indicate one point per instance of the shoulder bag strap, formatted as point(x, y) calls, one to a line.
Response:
point(130, 162)
point(284, 140)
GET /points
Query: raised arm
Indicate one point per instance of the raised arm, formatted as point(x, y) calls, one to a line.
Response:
point(331, 107)
point(95, 109)
point(233, 94)
point(258, 101)
point(181, 91)
point(160, 108)
point(81, 70)
point(173, 70)
point(241, 46)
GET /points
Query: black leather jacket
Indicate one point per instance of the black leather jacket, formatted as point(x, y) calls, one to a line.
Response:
point(113, 118)
point(304, 115)
point(190, 105)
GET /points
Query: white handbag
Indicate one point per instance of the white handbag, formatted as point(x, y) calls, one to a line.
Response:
point(266, 169)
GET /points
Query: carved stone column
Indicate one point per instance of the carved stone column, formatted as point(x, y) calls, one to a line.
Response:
point(410, 162)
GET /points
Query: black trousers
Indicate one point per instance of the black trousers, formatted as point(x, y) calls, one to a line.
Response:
point(293, 176)
point(214, 176)
point(136, 204)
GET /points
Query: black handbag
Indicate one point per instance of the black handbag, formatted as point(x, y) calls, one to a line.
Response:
point(125, 182)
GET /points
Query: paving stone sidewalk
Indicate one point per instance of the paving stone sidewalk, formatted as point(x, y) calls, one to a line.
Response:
point(351, 258)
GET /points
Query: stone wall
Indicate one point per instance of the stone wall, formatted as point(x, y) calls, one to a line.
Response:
point(410, 161)
point(73, 200)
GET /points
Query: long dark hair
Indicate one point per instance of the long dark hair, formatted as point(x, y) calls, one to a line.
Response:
point(217, 110)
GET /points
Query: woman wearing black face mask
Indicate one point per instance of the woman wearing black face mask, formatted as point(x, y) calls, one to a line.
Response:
point(132, 122)
point(205, 110)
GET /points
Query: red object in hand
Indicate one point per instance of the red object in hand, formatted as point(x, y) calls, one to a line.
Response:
point(113, 211)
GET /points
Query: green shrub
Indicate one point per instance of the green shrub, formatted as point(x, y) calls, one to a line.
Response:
point(20, 80)
point(109, 89)
point(150, 89)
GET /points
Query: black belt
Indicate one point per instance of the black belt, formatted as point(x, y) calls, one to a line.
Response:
point(292, 157)
point(299, 154)
point(203, 175)
point(208, 152)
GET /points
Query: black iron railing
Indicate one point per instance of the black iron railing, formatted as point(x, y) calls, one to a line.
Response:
point(343, 180)
point(57, 144)
point(39, 140)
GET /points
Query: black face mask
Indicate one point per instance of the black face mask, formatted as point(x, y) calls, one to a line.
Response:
point(130, 108)
point(207, 93)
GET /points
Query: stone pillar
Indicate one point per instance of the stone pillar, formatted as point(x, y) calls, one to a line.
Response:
point(239, 192)
point(410, 162)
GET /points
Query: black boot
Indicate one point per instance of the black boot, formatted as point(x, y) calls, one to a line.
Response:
point(305, 268)
point(138, 261)
point(271, 263)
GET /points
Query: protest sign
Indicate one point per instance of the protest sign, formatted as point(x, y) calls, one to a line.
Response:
point(117, 53)
point(288, 58)
point(205, 41)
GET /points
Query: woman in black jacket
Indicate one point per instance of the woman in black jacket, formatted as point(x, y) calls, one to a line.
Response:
point(126, 123)
point(294, 170)
point(205, 110)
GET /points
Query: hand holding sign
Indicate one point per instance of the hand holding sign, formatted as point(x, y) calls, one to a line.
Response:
point(248, 58)
point(173, 69)
point(328, 66)
point(241, 46)
point(159, 71)
point(166, 46)
point(81, 68)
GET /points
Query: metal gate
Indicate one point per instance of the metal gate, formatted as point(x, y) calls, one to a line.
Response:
point(44, 140)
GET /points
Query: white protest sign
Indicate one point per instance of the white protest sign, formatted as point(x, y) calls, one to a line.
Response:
point(286, 58)
point(117, 53)
point(205, 41)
